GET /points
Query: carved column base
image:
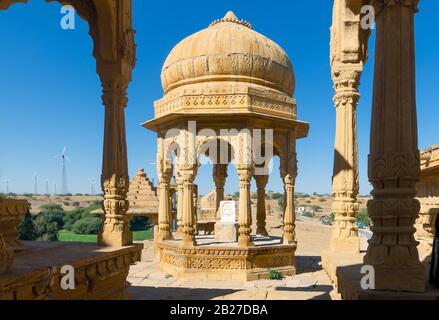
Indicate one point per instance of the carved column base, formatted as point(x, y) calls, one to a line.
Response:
point(164, 235)
point(289, 238)
point(179, 231)
point(115, 234)
point(345, 233)
point(245, 241)
point(409, 278)
point(188, 240)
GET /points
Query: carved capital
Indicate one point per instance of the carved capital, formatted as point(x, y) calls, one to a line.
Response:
point(346, 78)
point(114, 93)
point(245, 175)
point(381, 5)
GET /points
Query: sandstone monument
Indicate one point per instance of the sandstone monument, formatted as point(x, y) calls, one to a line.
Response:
point(225, 77)
point(225, 87)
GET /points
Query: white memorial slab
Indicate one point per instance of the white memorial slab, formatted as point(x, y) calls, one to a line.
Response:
point(228, 211)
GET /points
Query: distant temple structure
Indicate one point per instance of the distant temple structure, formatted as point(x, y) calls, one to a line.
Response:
point(142, 197)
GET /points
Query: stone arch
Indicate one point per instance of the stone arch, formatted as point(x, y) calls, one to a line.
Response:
point(221, 155)
point(110, 26)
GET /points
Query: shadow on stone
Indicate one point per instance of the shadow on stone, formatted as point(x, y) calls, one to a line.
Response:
point(157, 293)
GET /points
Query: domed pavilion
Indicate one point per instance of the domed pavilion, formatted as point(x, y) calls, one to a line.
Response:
point(228, 95)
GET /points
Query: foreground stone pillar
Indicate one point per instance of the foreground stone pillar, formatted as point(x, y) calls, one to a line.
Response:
point(394, 164)
point(345, 178)
point(188, 236)
point(245, 212)
point(164, 208)
point(219, 176)
point(261, 183)
point(115, 182)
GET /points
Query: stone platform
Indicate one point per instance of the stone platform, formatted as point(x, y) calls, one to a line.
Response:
point(348, 287)
point(344, 271)
point(100, 272)
point(211, 260)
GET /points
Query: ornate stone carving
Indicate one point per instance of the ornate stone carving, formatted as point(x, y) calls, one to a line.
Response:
point(245, 215)
point(348, 55)
point(115, 229)
point(100, 277)
point(222, 262)
point(394, 162)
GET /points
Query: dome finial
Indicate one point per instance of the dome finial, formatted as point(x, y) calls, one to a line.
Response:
point(231, 17)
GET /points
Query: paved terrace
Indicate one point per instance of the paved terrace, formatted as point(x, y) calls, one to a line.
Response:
point(310, 283)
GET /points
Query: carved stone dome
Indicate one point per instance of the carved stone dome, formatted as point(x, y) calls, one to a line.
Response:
point(228, 50)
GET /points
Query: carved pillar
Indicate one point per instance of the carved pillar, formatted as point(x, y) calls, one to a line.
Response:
point(219, 176)
point(114, 179)
point(348, 55)
point(245, 214)
point(195, 207)
point(394, 164)
point(188, 236)
point(180, 189)
point(288, 172)
point(164, 208)
point(261, 183)
point(345, 184)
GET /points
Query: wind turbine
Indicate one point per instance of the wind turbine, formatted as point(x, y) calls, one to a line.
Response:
point(54, 188)
point(35, 183)
point(64, 158)
point(7, 186)
point(92, 186)
point(47, 187)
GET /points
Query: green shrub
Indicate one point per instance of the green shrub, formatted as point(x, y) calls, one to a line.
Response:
point(138, 223)
point(309, 214)
point(89, 225)
point(46, 228)
point(275, 275)
point(70, 218)
point(277, 196)
point(363, 217)
point(26, 230)
point(281, 203)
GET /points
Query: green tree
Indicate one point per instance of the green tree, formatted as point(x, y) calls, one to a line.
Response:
point(26, 230)
point(89, 225)
point(138, 223)
point(71, 217)
point(46, 227)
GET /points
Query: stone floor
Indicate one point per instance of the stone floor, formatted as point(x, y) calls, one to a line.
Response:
point(311, 282)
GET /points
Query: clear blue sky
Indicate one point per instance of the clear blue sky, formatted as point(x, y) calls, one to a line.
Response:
point(51, 95)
